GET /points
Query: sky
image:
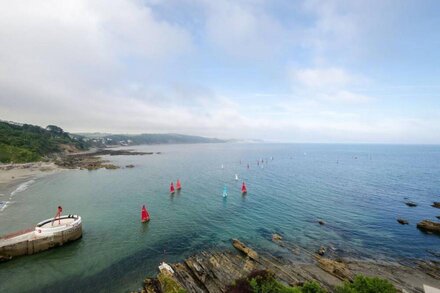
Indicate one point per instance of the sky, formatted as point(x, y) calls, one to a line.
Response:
point(328, 71)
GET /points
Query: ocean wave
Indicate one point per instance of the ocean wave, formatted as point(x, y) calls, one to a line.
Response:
point(3, 205)
point(22, 187)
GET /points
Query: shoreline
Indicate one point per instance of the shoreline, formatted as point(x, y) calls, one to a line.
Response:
point(14, 174)
point(214, 270)
point(15, 178)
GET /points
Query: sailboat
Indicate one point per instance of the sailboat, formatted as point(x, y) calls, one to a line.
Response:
point(236, 177)
point(145, 216)
point(225, 191)
point(172, 190)
point(178, 185)
point(243, 189)
point(222, 166)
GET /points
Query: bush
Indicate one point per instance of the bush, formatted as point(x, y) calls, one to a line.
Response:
point(363, 284)
point(264, 282)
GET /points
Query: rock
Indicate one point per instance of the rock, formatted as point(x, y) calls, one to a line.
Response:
point(402, 221)
point(129, 166)
point(276, 237)
point(321, 222)
point(411, 204)
point(436, 204)
point(429, 226)
point(321, 251)
point(438, 217)
point(246, 250)
point(335, 268)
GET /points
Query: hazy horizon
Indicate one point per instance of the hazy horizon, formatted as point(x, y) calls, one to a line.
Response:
point(280, 71)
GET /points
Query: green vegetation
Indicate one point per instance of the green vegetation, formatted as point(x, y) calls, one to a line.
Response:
point(28, 143)
point(362, 284)
point(169, 285)
point(264, 282)
point(146, 138)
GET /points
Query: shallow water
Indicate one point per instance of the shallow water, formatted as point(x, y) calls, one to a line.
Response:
point(358, 190)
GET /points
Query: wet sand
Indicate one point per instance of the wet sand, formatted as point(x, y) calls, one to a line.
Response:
point(13, 174)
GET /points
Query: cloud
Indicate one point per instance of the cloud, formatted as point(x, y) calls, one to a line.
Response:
point(328, 84)
point(323, 77)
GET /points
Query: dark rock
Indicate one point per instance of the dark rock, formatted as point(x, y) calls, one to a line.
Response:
point(429, 226)
point(129, 166)
point(321, 222)
point(436, 204)
point(411, 204)
point(321, 251)
point(402, 221)
point(438, 217)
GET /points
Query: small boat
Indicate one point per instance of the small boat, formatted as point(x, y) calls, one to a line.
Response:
point(145, 216)
point(172, 190)
point(165, 267)
point(243, 188)
point(178, 185)
point(236, 177)
point(225, 191)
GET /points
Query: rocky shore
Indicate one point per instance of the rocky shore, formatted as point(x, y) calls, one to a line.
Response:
point(213, 271)
point(93, 160)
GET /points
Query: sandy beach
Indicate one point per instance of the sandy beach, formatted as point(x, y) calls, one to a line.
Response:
point(13, 174)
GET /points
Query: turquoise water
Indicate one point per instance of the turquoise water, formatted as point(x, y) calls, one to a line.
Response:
point(358, 190)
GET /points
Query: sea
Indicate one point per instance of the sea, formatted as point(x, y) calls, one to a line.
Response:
point(358, 190)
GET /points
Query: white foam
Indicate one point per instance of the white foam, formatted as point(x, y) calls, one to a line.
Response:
point(22, 187)
point(3, 205)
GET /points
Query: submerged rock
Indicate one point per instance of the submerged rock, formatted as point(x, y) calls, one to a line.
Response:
point(321, 222)
point(321, 251)
point(276, 237)
point(429, 226)
point(243, 248)
point(411, 204)
point(436, 204)
point(402, 221)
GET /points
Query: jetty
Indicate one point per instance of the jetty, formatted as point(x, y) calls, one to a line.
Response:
point(46, 234)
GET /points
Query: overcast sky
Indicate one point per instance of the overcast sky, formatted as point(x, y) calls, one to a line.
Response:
point(294, 71)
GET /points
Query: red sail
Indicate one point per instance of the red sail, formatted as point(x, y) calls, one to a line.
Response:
point(243, 188)
point(172, 188)
point(145, 217)
point(178, 185)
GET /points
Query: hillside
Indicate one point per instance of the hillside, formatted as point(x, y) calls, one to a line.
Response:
point(150, 138)
point(20, 143)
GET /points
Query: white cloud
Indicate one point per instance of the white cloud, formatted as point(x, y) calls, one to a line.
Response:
point(323, 77)
point(328, 84)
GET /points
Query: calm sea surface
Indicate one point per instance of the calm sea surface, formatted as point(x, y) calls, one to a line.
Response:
point(358, 190)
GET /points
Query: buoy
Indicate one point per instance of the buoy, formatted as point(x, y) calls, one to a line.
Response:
point(225, 191)
point(248, 165)
point(172, 188)
point(236, 177)
point(243, 188)
point(222, 166)
point(178, 185)
point(145, 217)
